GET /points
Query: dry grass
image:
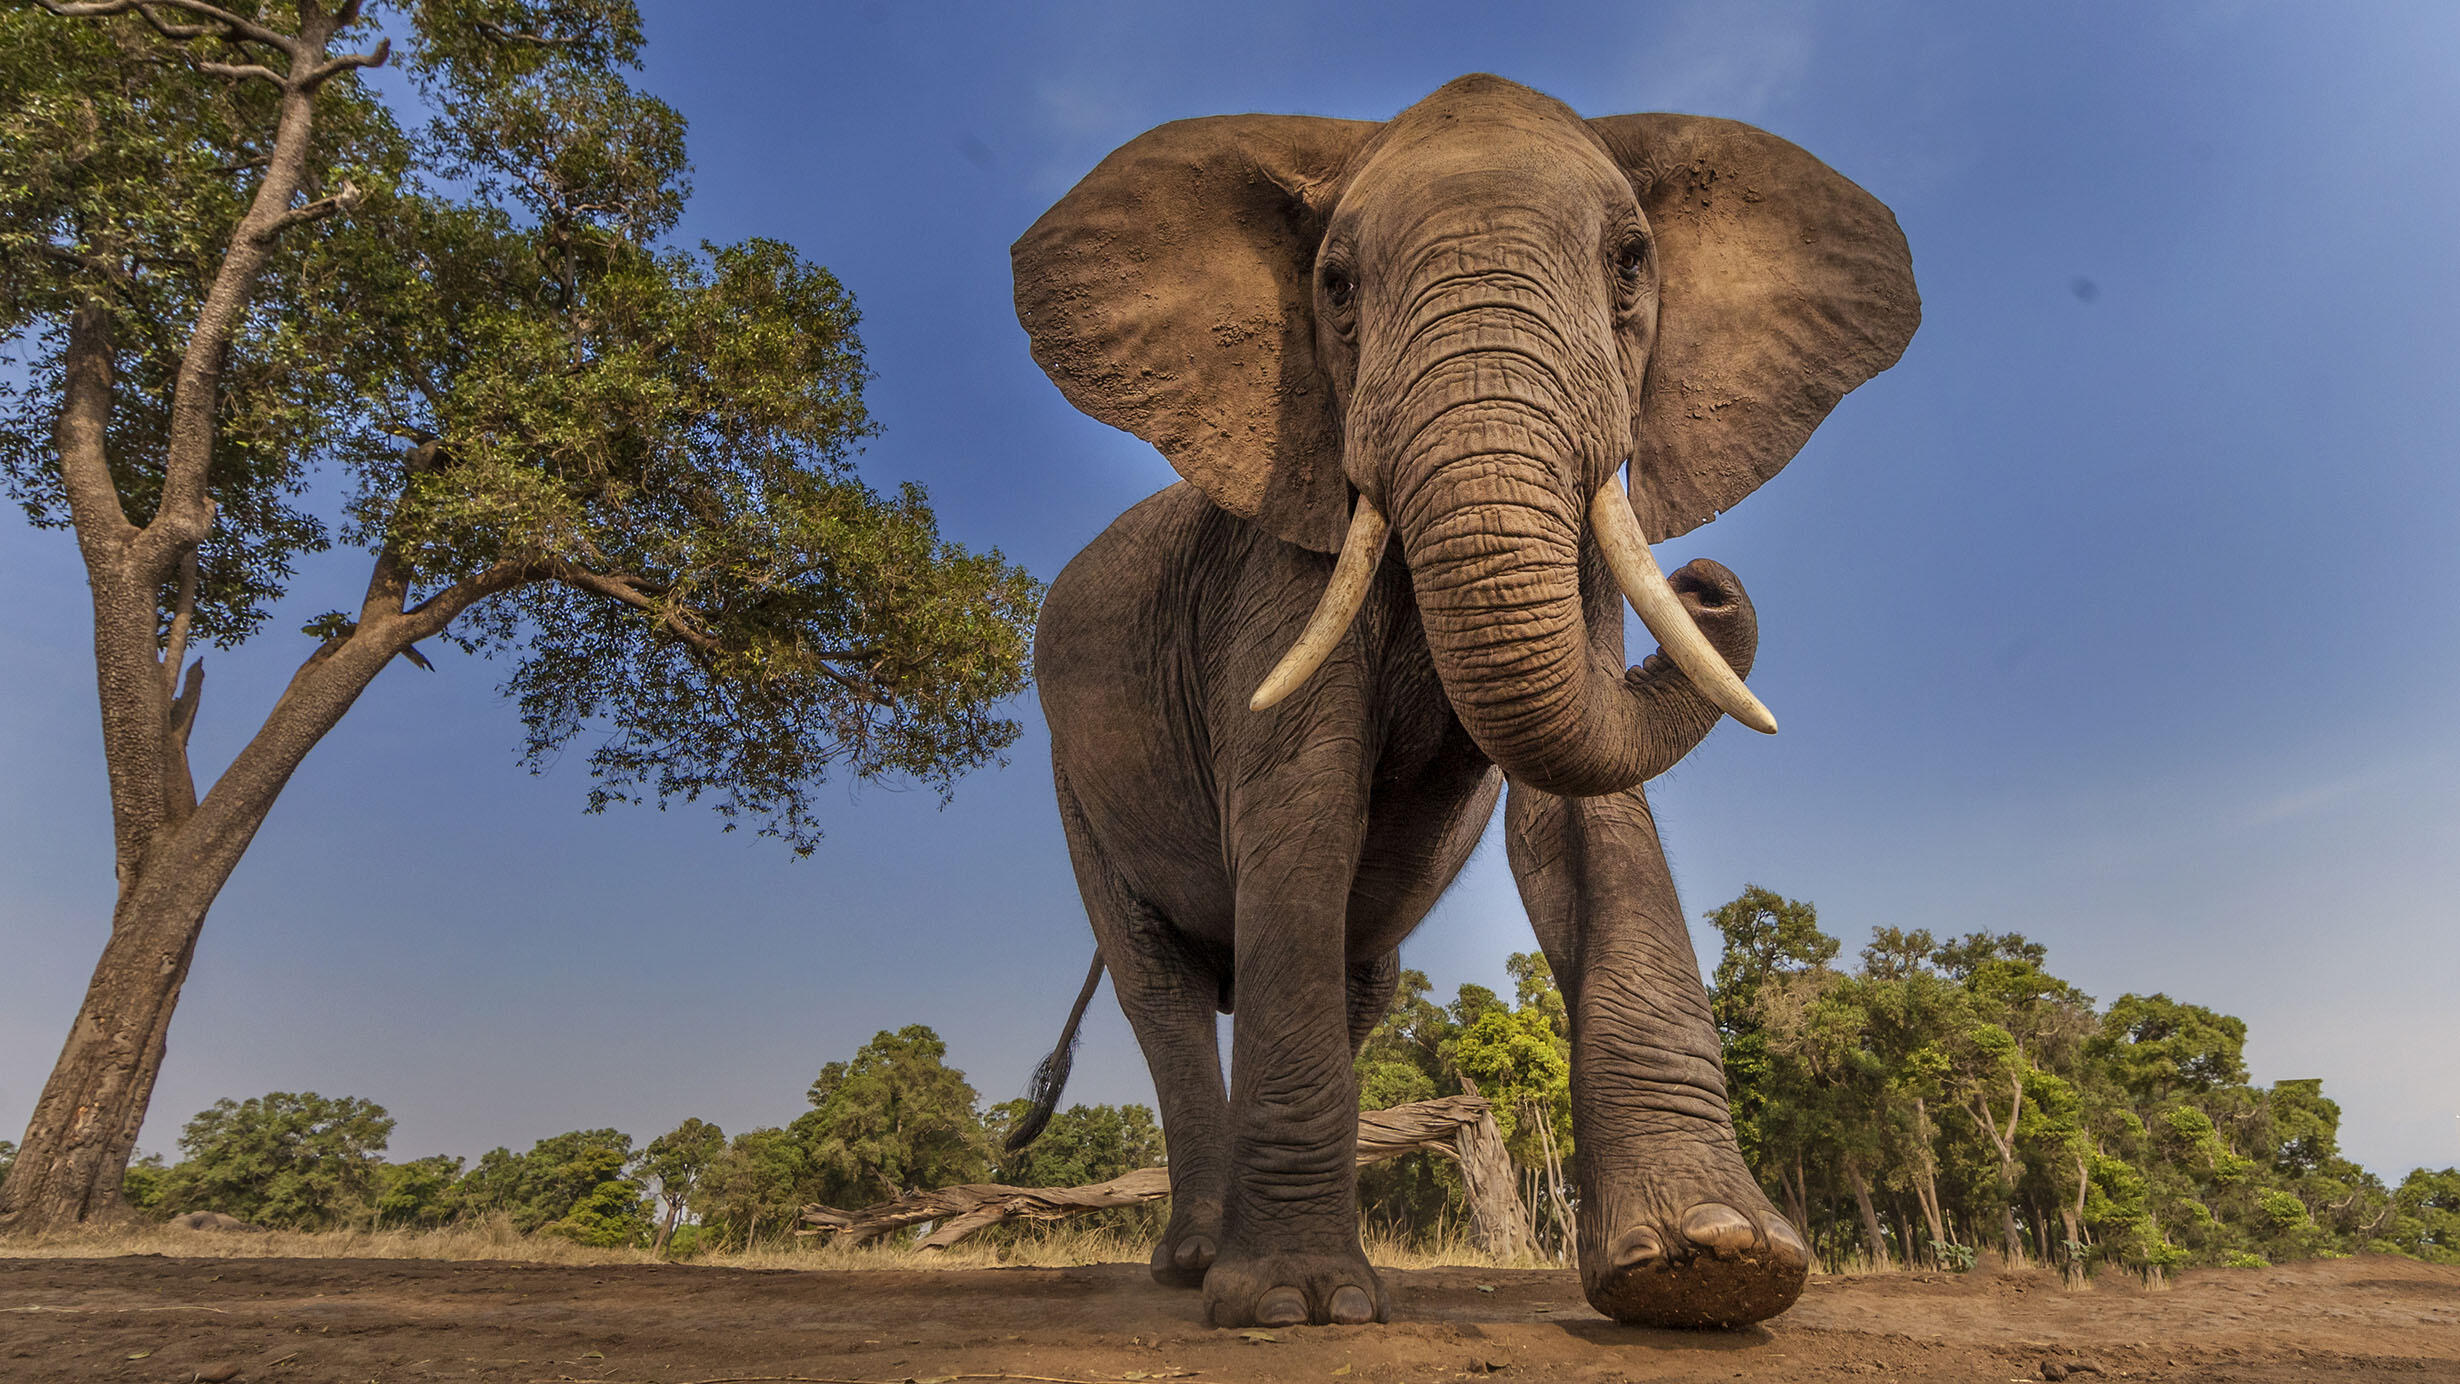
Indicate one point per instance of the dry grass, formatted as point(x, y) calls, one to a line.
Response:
point(1053, 1246)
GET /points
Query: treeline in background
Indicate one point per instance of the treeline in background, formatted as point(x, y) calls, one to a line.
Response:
point(1931, 1103)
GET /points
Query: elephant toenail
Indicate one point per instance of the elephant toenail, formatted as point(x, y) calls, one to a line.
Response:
point(1351, 1305)
point(1195, 1253)
point(1281, 1307)
point(1638, 1248)
point(1785, 1246)
point(1719, 1229)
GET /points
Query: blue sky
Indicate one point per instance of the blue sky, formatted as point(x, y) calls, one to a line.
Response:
point(2125, 612)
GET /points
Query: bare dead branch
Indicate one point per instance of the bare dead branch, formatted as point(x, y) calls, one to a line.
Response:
point(183, 612)
point(183, 707)
point(1437, 1125)
point(318, 210)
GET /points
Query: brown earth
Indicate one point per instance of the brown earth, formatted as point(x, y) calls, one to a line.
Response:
point(147, 1317)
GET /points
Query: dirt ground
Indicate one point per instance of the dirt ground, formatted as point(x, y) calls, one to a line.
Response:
point(148, 1317)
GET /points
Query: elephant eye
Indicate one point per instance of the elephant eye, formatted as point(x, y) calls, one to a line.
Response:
point(1631, 259)
point(1339, 288)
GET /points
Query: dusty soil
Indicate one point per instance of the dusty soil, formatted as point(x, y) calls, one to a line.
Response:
point(161, 1319)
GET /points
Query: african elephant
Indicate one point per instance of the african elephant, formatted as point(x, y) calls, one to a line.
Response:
point(1456, 327)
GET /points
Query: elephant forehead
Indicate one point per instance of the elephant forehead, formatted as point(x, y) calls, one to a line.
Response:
point(1475, 173)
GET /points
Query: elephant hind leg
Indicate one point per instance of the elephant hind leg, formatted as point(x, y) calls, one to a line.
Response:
point(1371, 987)
point(1168, 990)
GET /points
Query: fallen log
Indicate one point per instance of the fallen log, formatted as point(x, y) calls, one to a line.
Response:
point(1458, 1127)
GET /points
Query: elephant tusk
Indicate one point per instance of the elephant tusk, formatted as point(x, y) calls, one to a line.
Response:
point(1362, 549)
point(1652, 598)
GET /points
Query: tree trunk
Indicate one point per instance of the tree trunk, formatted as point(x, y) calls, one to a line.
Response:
point(1871, 1234)
point(85, 1124)
point(1498, 1219)
point(1797, 1194)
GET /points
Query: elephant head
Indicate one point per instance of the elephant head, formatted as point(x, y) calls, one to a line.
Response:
point(1469, 319)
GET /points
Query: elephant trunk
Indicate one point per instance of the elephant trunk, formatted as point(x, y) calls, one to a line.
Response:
point(1488, 501)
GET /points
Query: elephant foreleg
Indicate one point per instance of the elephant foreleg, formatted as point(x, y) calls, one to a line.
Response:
point(1674, 1231)
point(1290, 1249)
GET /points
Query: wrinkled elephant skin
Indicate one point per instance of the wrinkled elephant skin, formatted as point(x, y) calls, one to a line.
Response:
point(1439, 339)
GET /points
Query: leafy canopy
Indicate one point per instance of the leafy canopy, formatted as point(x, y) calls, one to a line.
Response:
point(638, 457)
point(295, 1161)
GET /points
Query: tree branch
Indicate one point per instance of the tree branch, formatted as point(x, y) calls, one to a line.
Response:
point(85, 417)
point(231, 25)
point(430, 616)
point(622, 589)
point(318, 210)
point(334, 67)
point(501, 34)
point(388, 581)
point(186, 512)
point(241, 71)
point(175, 648)
point(178, 785)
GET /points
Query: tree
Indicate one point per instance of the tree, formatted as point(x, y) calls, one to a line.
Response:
point(542, 1187)
point(677, 1159)
point(1403, 1060)
point(1520, 1059)
point(895, 1119)
point(1083, 1145)
point(225, 267)
point(2428, 1217)
point(421, 1194)
point(763, 1179)
point(297, 1162)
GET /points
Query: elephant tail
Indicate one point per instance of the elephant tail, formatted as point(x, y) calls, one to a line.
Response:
point(1051, 1077)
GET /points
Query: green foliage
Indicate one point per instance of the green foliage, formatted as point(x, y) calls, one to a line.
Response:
point(1966, 1076)
point(895, 1119)
point(1516, 1054)
point(283, 1160)
point(141, 1185)
point(543, 1188)
point(1082, 1144)
point(613, 1212)
point(677, 1160)
point(760, 1183)
point(421, 1194)
point(642, 453)
point(2426, 1217)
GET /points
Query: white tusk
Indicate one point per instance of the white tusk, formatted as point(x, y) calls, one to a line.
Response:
point(1653, 598)
point(1362, 549)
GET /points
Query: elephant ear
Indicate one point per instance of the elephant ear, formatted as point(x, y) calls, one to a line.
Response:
point(1782, 286)
point(1171, 293)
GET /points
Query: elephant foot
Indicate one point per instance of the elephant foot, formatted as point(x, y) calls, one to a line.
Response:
point(1295, 1290)
point(1710, 1263)
point(1185, 1253)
